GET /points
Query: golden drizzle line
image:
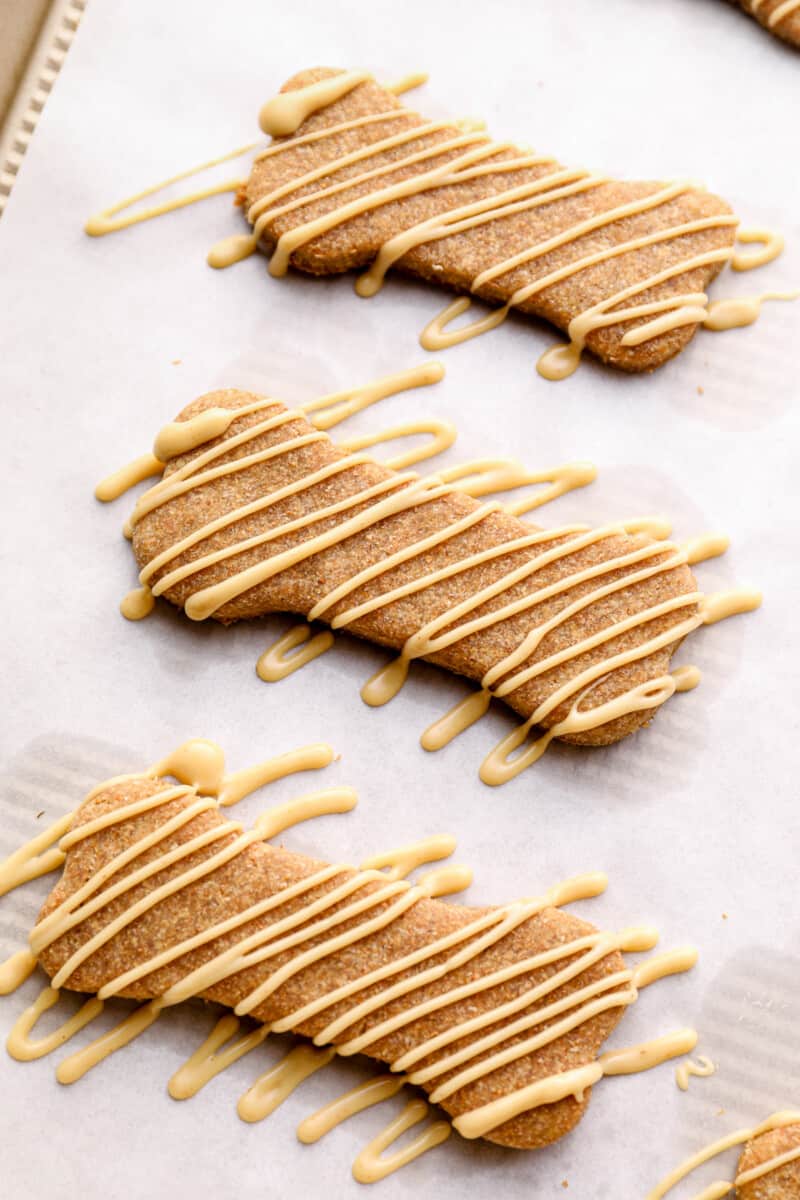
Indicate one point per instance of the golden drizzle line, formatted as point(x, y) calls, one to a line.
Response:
point(702, 1069)
point(107, 221)
point(716, 1191)
point(777, 14)
point(318, 928)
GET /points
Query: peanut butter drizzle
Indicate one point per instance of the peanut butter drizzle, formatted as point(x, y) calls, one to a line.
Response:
point(114, 486)
point(772, 244)
point(716, 1191)
point(736, 311)
point(408, 82)
point(202, 763)
point(441, 435)
point(272, 1088)
point(15, 970)
point(287, 111)
point(702, 1068)
point(777, 14)
point(374, 1091)
point(211, 1058)
point(107, 221)
point(284, 657)
point(372, 1164)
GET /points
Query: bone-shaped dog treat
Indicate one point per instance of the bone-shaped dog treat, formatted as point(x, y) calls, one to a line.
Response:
point(768, 1169)
point(352, 178)
point(362, 180)
point(498, 1013)
point(781, 17)
point(574, 627)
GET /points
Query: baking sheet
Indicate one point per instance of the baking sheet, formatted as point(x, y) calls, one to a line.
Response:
point(103, 341)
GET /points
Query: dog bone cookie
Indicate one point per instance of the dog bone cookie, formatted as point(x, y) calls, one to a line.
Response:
point(258, 512)
point(781, 17)
point(498, 1013)
point(769, 1166)
point(353, 179)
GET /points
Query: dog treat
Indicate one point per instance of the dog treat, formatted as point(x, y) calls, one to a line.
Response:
point(258, 511)
point(781, 17)
point(769, 1167)
point(498, 1013)
point(353, 179)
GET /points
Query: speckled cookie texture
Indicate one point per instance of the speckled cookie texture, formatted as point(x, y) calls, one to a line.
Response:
point(299, 587)
point(262, 870)
point(787, 27)
point(784, 1182)
point(454, 262)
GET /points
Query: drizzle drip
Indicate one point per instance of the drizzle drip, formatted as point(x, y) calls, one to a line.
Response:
point(702, 1068)
point(107, 221)
point(737, 311)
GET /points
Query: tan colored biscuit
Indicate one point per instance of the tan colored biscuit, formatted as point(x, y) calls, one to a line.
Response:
point(787, 27)
point(784, 1182)
point(298, 588)
point(454, 262)
point(260, 871)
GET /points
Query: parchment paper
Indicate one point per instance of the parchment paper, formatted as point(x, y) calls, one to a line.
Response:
point(103, 341)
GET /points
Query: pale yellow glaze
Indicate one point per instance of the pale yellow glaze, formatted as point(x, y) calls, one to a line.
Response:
point(736, 311)
point(113, 486)
point(15, 970)
point(408, 82)
point(283, 657)
point(37, 857)
point(771, 242)
point(22, 1047)
point(374, 1091)
point(441, 435)
point(686, 678)
point(373, 1164)
point(271, 1089)
point(716, 1191)
point(107, 221)
point(137, 604)
point(179, 437)
point(229, 250)
point(702, 1068)
point(287, 111)
point(218, 1051)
